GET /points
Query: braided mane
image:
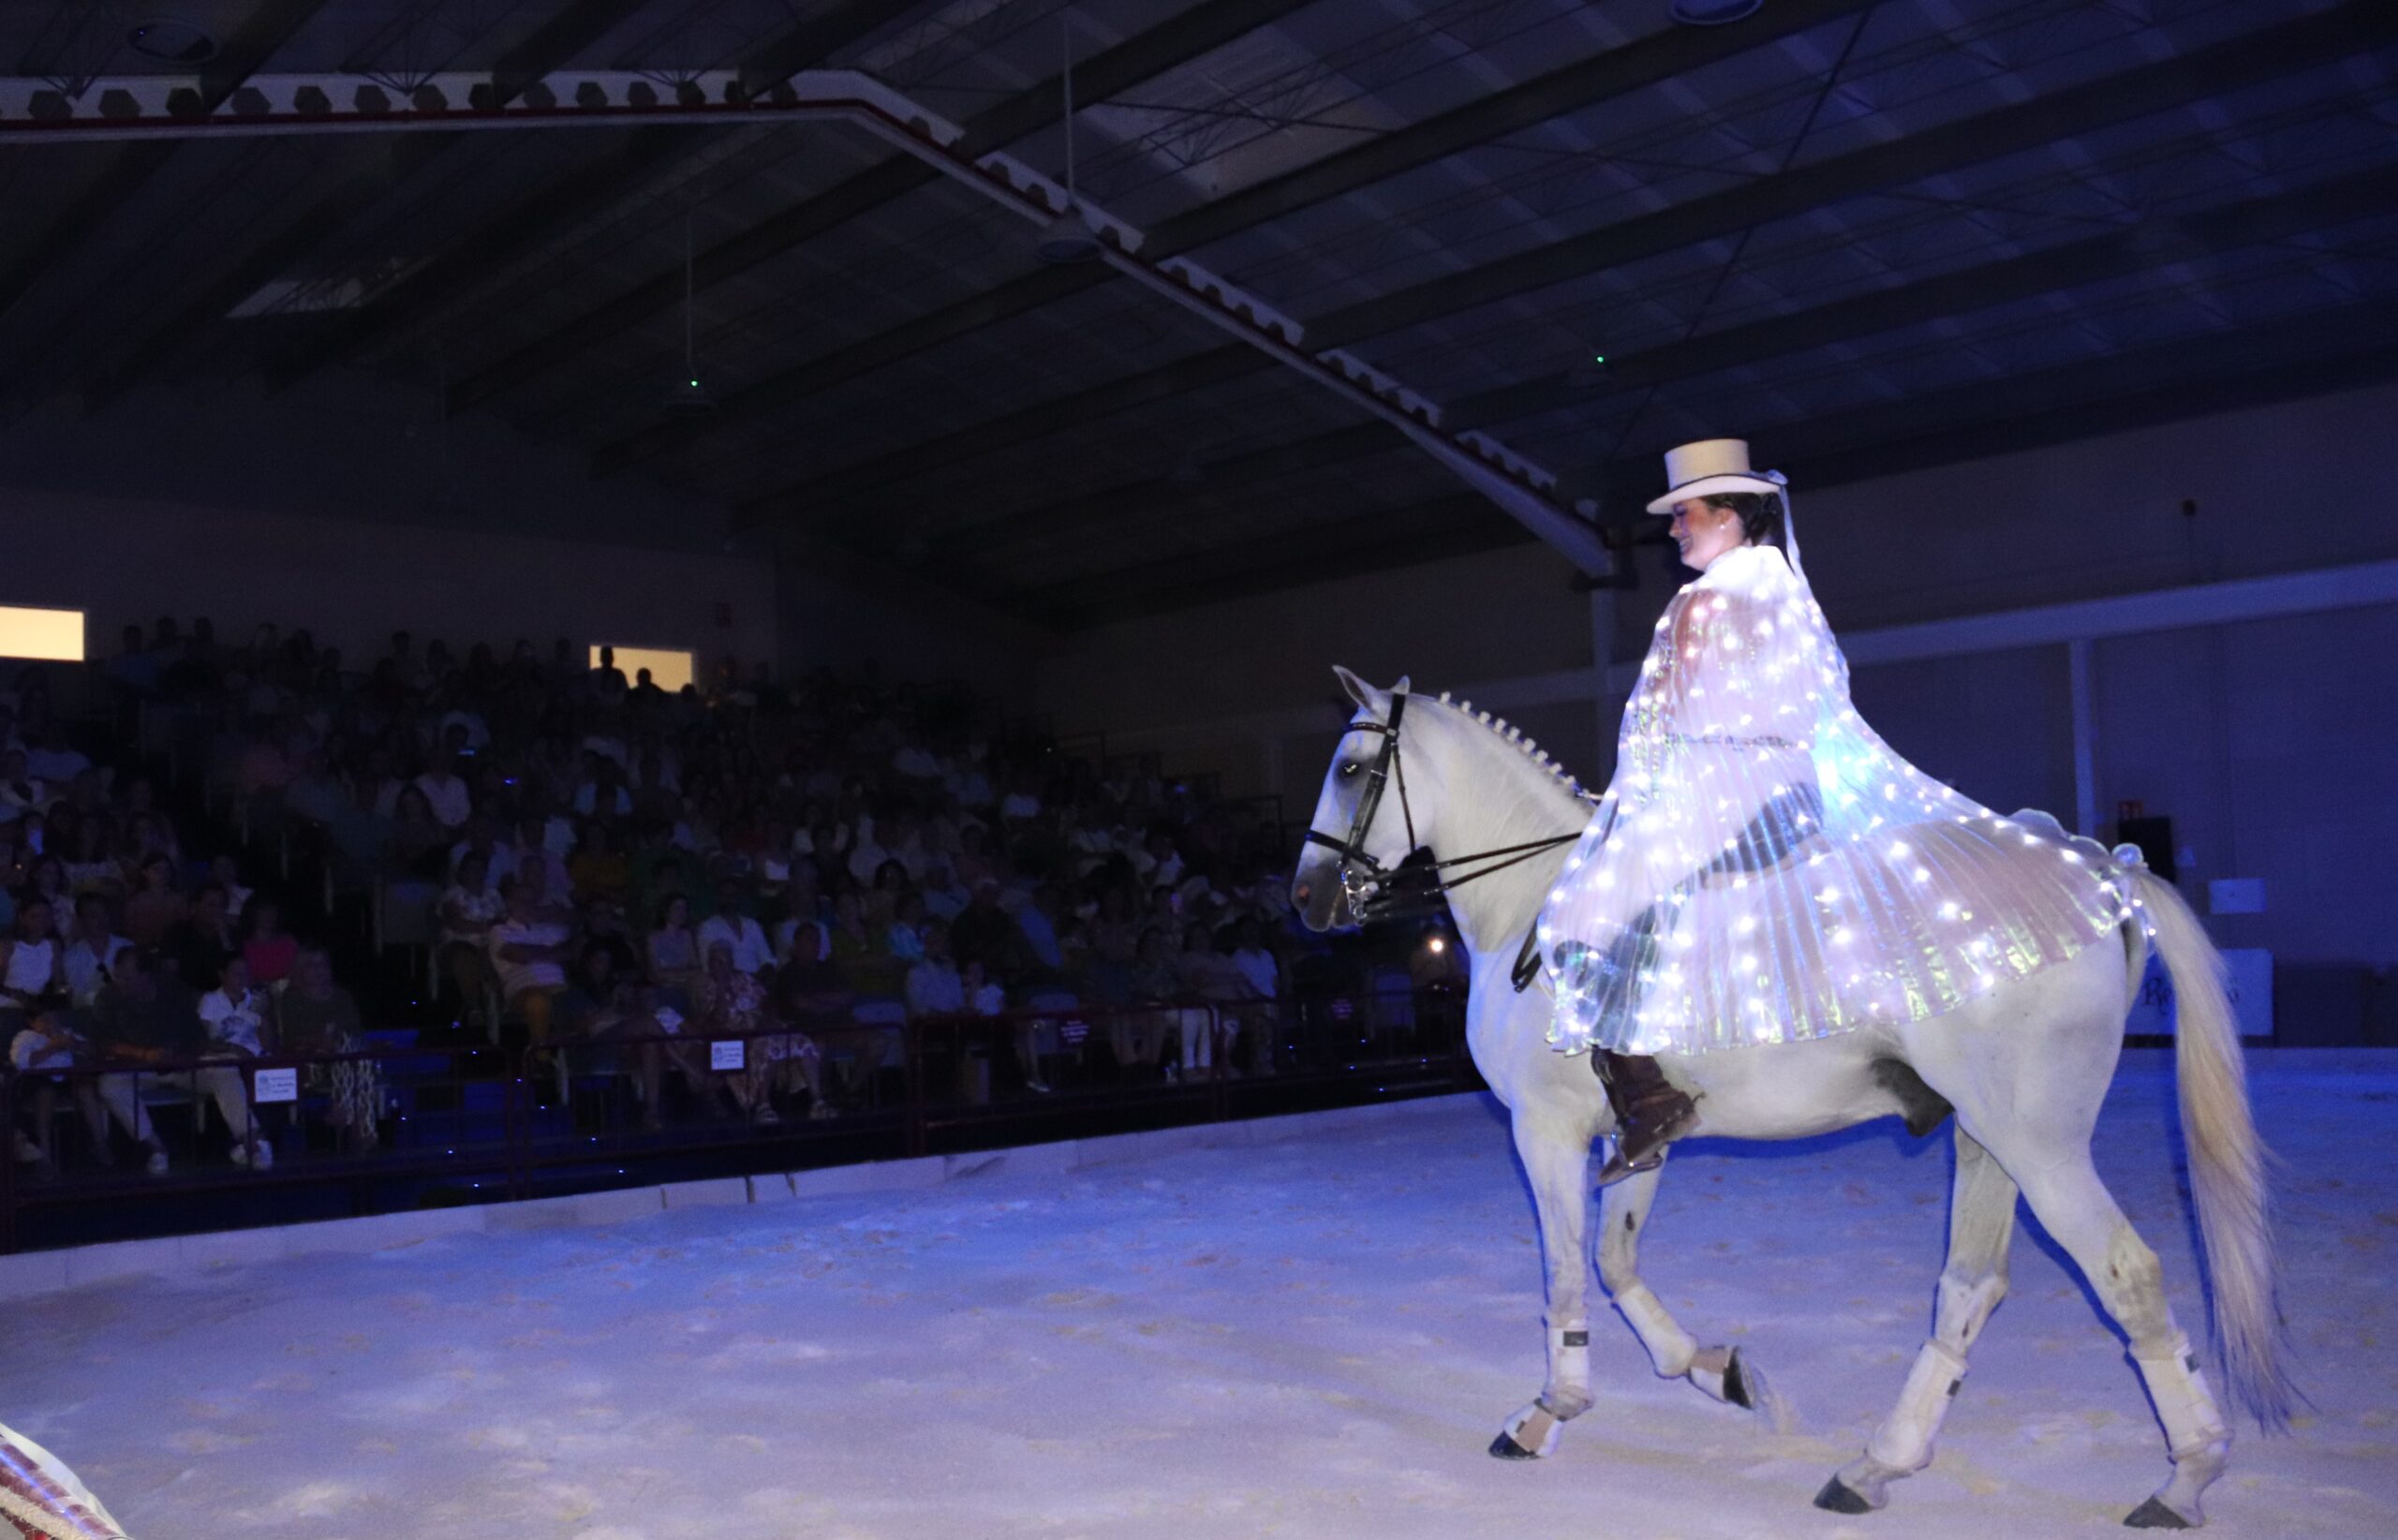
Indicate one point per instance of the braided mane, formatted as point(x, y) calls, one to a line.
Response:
point(1516, 740)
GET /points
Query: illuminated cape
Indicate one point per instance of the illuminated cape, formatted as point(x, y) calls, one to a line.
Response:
point(1763, 868)
point(42, 1499)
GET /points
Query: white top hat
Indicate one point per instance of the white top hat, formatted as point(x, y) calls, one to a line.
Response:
point(1708, 468)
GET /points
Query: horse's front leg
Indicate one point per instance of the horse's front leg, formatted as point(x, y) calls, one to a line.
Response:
point(1558, 1164)
point(1722, 1372)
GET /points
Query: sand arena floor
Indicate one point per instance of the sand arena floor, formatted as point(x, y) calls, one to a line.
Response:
point(1315, 1336)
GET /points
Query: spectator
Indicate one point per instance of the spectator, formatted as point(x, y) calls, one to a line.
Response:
point(672, 950)
point(732, 1004)
point(598, 870)
point(1038, 921)
point(934, 989)
point(31, 978)
point(752, 955)
point(418, 844)
point(91, 956)
point(595, 1011)
point(271, 949)
point(987, 935)
point(226, 873)
point(155, 910)
point(49, 1042)
point(528, 952)
point(206, 939)
point(21, 790)
point(468, 908)
point(56, 762)
point(233, 1015)
point(150, 1016)
point(316, 1015)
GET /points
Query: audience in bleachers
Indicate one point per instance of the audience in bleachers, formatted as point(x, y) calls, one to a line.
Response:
point(589, 859)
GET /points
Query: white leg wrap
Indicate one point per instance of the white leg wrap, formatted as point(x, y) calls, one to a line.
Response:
point(1670, 1348)
point(1569, 1371)
point(2184, 1404)
point(1534, 1429)
point(1903, 1442)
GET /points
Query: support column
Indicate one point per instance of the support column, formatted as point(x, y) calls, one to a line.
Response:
point(1602, 658)
point(2085, 758)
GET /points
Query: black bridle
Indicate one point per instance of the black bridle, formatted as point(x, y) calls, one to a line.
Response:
point(1373, 890)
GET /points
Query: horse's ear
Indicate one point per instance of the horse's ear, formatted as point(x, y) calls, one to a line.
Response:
point(1363, 693)
point(1402, 687)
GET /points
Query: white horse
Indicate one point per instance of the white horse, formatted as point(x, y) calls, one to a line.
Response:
point(2023, 1069)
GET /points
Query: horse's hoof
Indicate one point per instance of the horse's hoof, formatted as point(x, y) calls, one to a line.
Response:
point(1736, 1383)
point(2154, 1514)
point(1836, 1496)
point(1506, 1447)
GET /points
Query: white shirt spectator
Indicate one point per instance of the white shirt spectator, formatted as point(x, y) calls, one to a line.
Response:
point(478, 734)
point(752, 954)
point(487, 906)
point(1020, 804)
point(934, 989)
point(58, 765)
point(88, 966)
point(608, 747)
point(586, 800)
point(233, 1022)
point(916, 763)
point(866, 857)
point(517, 977)
point(452, 804)
point(498, 865)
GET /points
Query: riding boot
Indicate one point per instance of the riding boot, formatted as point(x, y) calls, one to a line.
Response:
point(1648, 1112)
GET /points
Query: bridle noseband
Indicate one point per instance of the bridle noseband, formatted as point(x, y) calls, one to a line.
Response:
point(1369, 886)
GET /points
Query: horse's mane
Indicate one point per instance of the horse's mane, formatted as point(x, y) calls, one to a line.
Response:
point(1516, 740)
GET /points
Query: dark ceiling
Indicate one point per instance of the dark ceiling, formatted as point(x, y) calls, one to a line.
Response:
point(1865, 235)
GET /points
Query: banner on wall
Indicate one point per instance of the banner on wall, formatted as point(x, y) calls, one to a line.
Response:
point(2249, 982)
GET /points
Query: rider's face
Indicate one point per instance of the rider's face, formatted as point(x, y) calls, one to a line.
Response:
point(1703, 531)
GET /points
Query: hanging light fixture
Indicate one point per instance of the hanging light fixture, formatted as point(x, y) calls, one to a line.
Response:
point(687, 396)
point(1069, 238)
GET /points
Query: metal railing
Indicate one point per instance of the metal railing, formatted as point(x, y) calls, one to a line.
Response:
point(400, 1123)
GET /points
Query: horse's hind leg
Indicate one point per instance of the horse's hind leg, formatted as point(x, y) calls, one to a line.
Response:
point(2078, 1211)
point(1982, 1223)
point(1558, 1165)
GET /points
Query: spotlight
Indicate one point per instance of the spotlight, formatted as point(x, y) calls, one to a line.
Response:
point(1712, 13)
point(171, 41)
point(1068, 239)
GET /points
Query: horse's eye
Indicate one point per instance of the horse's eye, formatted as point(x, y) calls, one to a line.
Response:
point(1349, 769)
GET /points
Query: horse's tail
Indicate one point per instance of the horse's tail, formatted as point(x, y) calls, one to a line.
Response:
point(2227, 1158)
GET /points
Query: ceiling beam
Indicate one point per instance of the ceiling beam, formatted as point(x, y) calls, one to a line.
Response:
point(2265, 53)
point(2283, 49)
point(1139, 58)
point(1345, 547)
point(548, 47)
point(545, 217)
point(129, 166)
point(1165, 498)
point(2099, 258)
point(1666, 56)
point(2117, 254)
point(2344, 348)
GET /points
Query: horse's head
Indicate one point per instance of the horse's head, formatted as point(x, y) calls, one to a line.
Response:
point(1362, 817)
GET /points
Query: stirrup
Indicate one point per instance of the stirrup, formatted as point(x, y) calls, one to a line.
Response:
point(1616, 1170)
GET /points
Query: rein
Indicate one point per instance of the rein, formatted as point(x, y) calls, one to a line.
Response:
point(1376, 891)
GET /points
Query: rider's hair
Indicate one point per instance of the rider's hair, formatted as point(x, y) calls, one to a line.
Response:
point(1760, 514)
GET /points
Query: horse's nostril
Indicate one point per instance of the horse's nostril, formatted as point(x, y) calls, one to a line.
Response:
point(1303, 892)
